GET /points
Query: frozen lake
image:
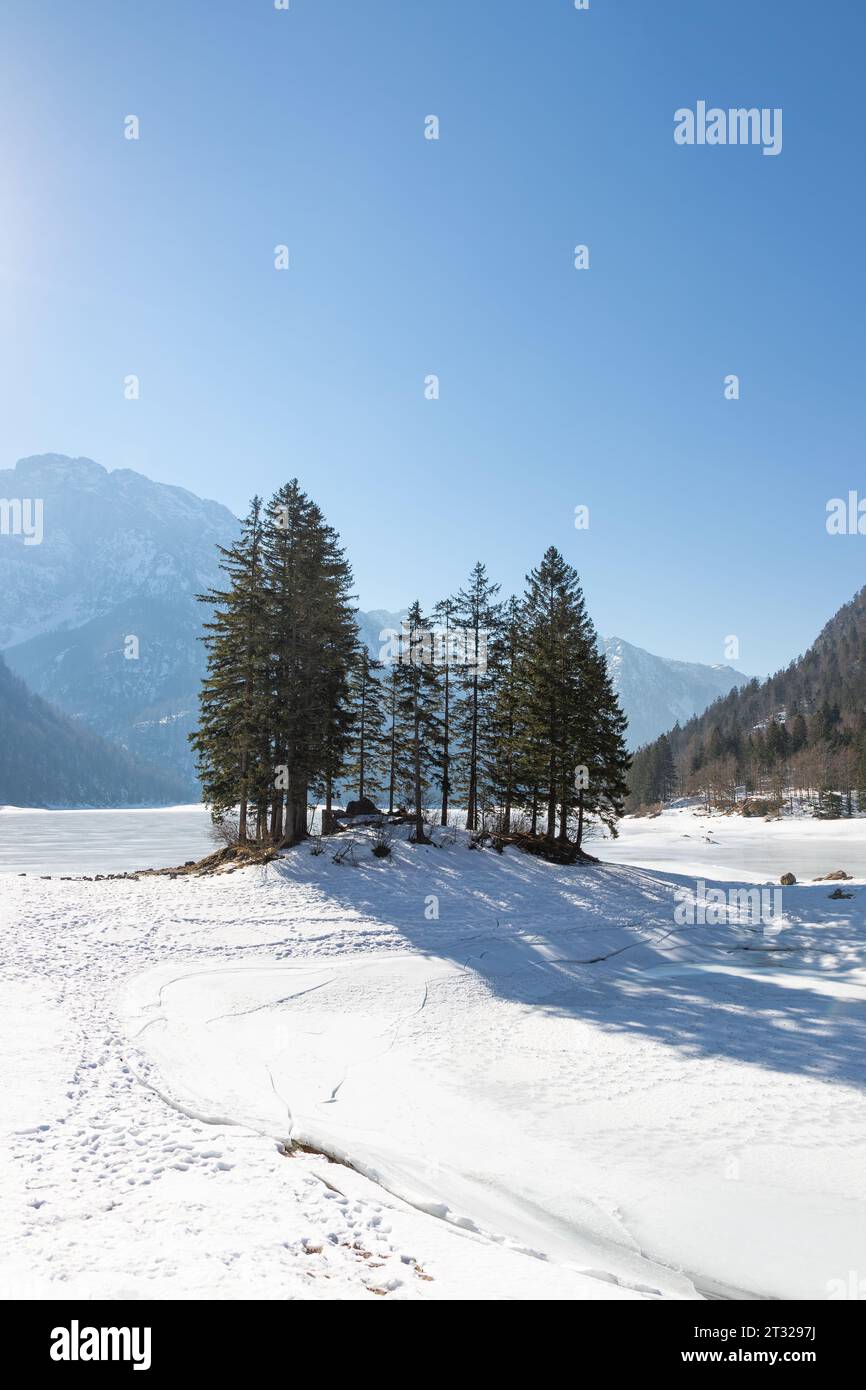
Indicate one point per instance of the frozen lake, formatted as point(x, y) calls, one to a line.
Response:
point(738, 849)
point(682, 842)
point(102, 842)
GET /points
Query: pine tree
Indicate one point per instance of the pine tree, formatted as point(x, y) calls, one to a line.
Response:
point(575, 742)
point(664, 773)
point(478, 615)
point(418, 723)
point(399, 769)
point(798, 733)
point(716, 746)
point(444, 615)
point(556, 653)
point(607, 759)
point(313, 640)
point(508, 716)
point(231, 740)
point(369, 717)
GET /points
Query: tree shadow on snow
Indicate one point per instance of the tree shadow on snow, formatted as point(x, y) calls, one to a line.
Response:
point(599, 943)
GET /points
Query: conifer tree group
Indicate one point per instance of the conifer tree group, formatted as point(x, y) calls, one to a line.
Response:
point(502, 710)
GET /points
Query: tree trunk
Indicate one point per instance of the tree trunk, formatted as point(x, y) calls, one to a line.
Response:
point(361, 747)
point(471, 806)
point(563, 820)
point(551, 804)
point(419, 820)
point(392, 774)
point(295, 823)
point(277, 817)
point(446, 757)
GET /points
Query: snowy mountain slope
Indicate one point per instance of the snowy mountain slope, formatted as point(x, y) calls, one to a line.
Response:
point(373, 623)
point(121, 556)
point(552, 1065)
point(108, 537)
point(657, 692)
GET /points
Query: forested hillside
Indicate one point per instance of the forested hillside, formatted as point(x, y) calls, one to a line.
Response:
point(47, 760)
point(801, 734)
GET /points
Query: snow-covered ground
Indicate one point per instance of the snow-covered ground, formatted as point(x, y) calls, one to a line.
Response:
point(748, 849)
point(540, 1084)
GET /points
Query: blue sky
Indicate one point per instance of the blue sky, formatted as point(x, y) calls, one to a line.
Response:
point(408, 257)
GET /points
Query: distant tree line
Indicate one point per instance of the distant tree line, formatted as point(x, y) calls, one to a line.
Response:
point(800, 735)
point(504, 710)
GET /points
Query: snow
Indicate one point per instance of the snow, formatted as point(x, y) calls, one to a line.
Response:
point(747, 849)
point(550, 1090)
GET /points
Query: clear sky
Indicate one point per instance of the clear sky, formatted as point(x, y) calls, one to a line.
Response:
point(409, 256)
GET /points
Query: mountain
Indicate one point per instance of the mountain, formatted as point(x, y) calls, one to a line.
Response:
point(108, 537)
point(656, 692)
point(47, 760)
point(374, 622)
point(803, 728)
point(121, 557)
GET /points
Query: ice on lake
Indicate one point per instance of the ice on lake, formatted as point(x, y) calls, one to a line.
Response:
point(102, 842)
point(734, 848)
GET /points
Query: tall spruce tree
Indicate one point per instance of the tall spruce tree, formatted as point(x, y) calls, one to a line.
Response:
point(231, 741)
point(664, 773)
point(444, 616)
point(399, 772)
point(606, 758)
point(275, 719)
point(368, 745)
point(315, 639)
point(418, 722)
point(509, 737)
point(478, 616)
point(575, 746)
